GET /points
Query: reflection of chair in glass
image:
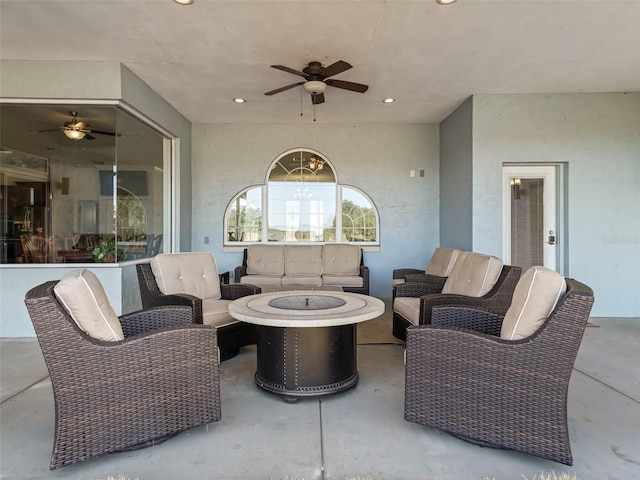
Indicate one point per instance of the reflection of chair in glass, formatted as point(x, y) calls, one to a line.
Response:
point(501, 381)
point(120, 382)
point(35, 248)
point(153, 244)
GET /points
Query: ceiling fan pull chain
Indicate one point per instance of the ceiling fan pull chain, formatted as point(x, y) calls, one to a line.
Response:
point(314, 112)
point(301, 102)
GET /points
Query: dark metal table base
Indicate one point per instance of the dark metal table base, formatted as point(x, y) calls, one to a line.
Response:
point(306, 362)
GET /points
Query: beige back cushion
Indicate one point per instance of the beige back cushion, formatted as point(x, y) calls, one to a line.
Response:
point(193, 273)
point(340, 259)
point(303, 260)
point(534, 298)
point(84, 298)
point(265, 260)
point(473, 274)
point(442, 261)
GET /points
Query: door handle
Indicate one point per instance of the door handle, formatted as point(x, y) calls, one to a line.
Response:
point(551, 239)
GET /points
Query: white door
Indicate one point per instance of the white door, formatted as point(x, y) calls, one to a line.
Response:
point(530, 228)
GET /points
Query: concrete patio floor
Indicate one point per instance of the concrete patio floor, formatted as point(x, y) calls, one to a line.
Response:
point(359, 434)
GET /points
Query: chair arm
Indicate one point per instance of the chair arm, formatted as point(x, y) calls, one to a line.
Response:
point(424, 278)
point(155, 318)
point(469, 318)
point(428, 302)
point(413, 289)
point(238, 290)
point(403, 272)
point(239, 272)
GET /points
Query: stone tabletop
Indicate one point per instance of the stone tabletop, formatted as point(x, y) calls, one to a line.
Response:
point(301, 308)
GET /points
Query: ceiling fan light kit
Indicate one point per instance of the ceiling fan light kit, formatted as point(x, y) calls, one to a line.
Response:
point(314, 86)
point(74, 134)
point(317, 80)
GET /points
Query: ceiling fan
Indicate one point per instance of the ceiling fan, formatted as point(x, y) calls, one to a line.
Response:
point(76, 130)
point(317, 78)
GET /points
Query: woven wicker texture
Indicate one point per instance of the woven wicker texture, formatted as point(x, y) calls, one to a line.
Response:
point(499, 393)
point(230, 337)
point(497, 300)
point(113, 396)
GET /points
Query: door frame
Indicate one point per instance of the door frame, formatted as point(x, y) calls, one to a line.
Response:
point(557, 192)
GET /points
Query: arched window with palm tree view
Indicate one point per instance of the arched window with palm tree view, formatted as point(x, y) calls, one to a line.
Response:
point(301, 202)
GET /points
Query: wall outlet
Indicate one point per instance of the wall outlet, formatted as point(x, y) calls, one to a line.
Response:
point(422, 173)
point(206, 240)
point(412, 173)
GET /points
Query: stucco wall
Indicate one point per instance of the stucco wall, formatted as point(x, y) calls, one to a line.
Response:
point(456, 178)
point(374, 158)
point(598, 136)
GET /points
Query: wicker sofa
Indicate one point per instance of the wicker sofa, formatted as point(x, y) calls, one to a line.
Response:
point(304, 267)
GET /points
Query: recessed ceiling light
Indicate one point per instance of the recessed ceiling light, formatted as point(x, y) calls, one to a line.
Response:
point(239, 100)
point(388, 100)
point(445, 2)
point(184, 2)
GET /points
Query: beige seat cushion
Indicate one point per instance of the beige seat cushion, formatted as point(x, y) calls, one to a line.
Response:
point(442, 261)
point(342, 281)
point(84, 298)
point(534, 298)
point(216, 313)
point(302, 281)
point(408, 307)
point(265, 260)
point(262, 280)
point(193, 273)
point(473, 275)
point(303, 260)
point(341, 259)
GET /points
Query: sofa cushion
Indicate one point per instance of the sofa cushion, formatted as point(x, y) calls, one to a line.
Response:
point(408, 307)
point(340, 259)
point(302, 281)
point(534, 298)
point(473, 275)
point(342, 281)
point(265, 260)
point(262, 280)
point(442, 261)
point(303, 260)
point(216, 313)
point(84, 298)
point(193, 273)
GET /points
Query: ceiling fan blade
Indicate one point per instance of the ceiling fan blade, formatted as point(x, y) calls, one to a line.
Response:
point(354, 87)
point(317, 98)
point(282, 89)
point(335, 68)
point(100, 132)
point(88, 137)
point(49, 130)
point(289, 70)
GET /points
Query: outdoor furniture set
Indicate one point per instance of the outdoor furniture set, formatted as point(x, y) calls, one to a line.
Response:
point(490, 374)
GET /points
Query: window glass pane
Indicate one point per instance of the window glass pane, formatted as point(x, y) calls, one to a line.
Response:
point(302, 199)
point(100, 176)
point(359, 219)
point(244, 217)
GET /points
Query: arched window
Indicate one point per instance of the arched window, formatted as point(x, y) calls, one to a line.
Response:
point(301, 201)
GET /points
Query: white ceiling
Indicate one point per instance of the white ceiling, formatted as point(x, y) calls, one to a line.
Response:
point(427, 56)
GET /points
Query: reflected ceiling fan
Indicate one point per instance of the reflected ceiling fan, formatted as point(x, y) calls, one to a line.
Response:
point(317, 79)
point(77, 130)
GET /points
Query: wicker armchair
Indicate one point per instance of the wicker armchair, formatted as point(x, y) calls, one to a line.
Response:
point(497, 300)
point(121, 395)
point(231, 337)
point(435, 275)
point(494, 392)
